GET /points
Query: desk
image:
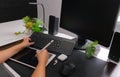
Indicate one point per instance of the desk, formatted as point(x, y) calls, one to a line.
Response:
point(84, 67)
point(93, 67)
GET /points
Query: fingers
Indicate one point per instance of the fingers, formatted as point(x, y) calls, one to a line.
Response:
point(26, 42)
point(38, 52)
point(42, 54)
point(31, 43)
point(25, 38)
point(44, 51)
point(29, 39)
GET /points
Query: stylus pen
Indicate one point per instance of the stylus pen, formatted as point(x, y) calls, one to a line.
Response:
point(48, 44)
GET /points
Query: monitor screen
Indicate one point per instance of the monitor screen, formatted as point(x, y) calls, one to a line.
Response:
point(90, 19)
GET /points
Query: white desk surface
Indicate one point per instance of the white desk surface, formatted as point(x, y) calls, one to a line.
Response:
point(7, 30)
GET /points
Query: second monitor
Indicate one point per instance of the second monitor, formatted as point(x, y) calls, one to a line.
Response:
point(90, 19)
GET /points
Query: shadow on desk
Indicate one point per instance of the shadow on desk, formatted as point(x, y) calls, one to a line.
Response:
point(93, 67)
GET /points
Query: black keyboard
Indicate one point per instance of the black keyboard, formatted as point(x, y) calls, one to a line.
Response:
point(60, 45)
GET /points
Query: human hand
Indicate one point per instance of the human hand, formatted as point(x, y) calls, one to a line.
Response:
point(42, 56)
point(26, 42)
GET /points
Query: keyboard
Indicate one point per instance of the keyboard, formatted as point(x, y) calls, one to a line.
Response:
point(60, 45)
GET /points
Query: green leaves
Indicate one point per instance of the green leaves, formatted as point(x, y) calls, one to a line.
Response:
point(19, 32)
point(94, 43)
point(35, 24)
point(26, 19)
point(39, 22)
point(36, 28)
point(90, 50)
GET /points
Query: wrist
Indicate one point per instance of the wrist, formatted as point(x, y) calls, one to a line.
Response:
point(22, 45)
point(42, 64)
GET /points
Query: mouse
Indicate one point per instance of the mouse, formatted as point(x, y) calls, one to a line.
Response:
point(68, 69)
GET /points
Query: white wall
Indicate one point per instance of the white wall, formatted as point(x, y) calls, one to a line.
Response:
point(52, 7)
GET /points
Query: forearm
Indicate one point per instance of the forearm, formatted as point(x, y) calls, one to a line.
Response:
point(40, 71)
point(5, 54)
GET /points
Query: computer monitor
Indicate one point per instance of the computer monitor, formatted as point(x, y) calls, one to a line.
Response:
point(90, 19)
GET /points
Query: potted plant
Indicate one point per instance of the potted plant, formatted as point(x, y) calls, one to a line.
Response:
point(31, 25)
point(90, 49)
